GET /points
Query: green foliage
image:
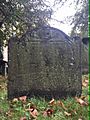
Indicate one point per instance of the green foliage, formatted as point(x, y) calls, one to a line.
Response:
point(80, 18)
point(16, 16)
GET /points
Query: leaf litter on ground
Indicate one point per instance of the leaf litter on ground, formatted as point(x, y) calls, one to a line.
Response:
point(53, 107)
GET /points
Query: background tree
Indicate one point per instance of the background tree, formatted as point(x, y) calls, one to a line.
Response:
point(16, 16)
point(80, 19)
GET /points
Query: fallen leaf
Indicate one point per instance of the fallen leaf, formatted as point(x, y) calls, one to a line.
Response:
point(84, 84)
point(45, 114)
point(67, 114)
point(52, 102)
point(23, 118)
point(83, 97)
point(81, 102)
point(86, 77)
point(33, 111)
point(48, 112)
point(9, 113)
point(15, 100)
point(31, 108)
point(23, 99)
point(60, 103)
point(2, 87)
point(86, 81)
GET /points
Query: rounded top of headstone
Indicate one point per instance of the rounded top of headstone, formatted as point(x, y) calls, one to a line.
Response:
point(50, 32)
point(44, 34)
point(47, 33)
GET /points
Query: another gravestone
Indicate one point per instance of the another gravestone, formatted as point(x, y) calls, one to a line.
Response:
point(84, 53)
point(46, 63)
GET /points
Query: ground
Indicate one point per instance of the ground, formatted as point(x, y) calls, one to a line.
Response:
point(23, 108)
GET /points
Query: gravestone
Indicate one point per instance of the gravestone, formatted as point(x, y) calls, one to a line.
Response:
point(84, 53)
point(45, 63)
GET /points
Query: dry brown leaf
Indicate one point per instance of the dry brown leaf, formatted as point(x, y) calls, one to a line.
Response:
point(86, 77)
point(2, 78)
point(48, 113)
point(67, 114)
point(81, 102)
point(83, 97)
point(33, 111)
point(45, 114)
point(86, 80)
point(23, 118)
point(60, 103)
point(2, 87)
point(23, 98)
point(84, 84)
point(52, 102)
point(15, 100)
point(9, 113)
point(31, 108)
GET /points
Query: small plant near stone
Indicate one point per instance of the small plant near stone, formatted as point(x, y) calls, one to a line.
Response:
point(22, 108)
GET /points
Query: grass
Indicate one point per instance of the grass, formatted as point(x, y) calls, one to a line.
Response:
point(10, 110)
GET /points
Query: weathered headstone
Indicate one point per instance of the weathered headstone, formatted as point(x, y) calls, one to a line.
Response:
point(84, 53)
point(45, 63)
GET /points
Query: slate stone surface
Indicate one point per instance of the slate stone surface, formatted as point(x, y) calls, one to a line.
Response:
point(85, 59)
point(45, 63)
point(84, 53)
